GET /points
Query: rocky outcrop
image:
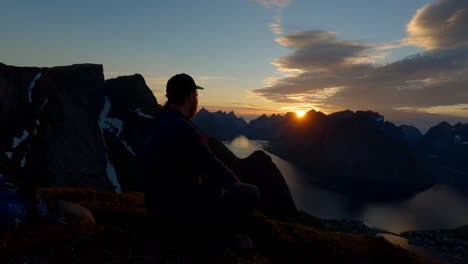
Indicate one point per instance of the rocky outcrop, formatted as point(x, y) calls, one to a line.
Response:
point(68, 127)
point(129, 120)
point(52, 136)
point(258, 169)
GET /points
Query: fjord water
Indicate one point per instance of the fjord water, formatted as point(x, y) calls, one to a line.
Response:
point(436, 208)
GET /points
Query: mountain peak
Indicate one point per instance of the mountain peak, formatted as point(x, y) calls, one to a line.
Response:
point(443, 125)
point(203, 110)
point(346, 114)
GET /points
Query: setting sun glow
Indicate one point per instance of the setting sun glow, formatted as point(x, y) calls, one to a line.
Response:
point(300, 113)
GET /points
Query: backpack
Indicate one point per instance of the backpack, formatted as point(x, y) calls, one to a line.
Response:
point(15, 209)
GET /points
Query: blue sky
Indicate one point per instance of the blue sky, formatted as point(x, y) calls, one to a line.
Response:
point(226, 45)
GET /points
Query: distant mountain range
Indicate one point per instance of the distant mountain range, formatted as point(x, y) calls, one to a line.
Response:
point(220, 125)
point(358, 153)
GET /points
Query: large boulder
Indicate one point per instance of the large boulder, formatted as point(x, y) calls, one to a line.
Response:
point(52, 136)
point(67, 126)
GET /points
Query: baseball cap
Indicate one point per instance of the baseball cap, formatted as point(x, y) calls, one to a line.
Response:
point(180, 85)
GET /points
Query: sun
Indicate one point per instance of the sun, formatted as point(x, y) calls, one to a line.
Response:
point(300, 113)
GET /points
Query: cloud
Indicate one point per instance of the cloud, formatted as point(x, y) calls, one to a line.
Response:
point(440, 25)
point(240, 110)
point(278, 6)
point(332, 73)
point(276, 25)
point(316, 50)
point(273, 3)
point(211, 78)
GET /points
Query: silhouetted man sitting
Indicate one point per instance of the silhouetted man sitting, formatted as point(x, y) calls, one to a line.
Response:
point(186, 186)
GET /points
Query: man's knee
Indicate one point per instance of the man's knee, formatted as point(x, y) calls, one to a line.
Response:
point(253, 193)
point(244, 192)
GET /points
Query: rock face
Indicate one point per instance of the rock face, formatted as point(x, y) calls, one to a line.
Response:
point(52, 114)
point(221, 125)
point(129, 121)
point(62, 129)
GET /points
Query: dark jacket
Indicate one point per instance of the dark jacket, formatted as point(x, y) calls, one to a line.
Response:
point(175, 158)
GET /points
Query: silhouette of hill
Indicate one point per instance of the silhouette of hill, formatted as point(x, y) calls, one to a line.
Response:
point(445, 148)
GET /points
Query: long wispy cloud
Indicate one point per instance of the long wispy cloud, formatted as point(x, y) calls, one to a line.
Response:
point(333, 73)
point(278, 6)
point(273, 3)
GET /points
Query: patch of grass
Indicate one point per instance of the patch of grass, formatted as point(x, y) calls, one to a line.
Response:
point(122, 235)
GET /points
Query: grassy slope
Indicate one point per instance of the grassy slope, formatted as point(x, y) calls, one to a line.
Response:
point(121, 236)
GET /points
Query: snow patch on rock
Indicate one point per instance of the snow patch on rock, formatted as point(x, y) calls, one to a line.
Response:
point(9, 154)
point(105, 110)
point(17, 141)
point(31, 86)
point(104, 124)
point(140, 113)
point(112, 175)
point(113, 125)
point(23, 161)
point(45, 103)
point(129, 148)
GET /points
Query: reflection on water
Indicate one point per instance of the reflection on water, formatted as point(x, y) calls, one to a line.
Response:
point(418, 249)
point(438, 207)
point(243, 147)
point(307, 198)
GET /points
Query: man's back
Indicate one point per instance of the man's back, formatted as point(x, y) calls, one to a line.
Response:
point(175, 159)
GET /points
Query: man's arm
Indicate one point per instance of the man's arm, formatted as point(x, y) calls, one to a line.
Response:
point(198, 152)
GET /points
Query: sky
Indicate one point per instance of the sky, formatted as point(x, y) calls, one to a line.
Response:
point(407, 60)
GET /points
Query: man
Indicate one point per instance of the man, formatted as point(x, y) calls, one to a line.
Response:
point(185, 184)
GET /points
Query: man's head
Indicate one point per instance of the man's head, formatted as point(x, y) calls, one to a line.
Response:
point(181, 93)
